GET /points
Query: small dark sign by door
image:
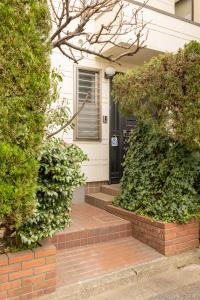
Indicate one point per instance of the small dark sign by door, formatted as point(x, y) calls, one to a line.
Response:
point(120, 128)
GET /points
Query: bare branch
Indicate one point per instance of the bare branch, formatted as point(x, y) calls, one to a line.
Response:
point(69, 122)
point(73, 19)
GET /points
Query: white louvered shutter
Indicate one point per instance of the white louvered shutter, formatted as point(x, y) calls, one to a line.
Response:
point(88, 120)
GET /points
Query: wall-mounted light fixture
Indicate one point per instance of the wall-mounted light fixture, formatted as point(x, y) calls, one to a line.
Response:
point(109, 72)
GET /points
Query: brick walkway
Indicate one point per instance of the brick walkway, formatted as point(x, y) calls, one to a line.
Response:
point(85, 216)
point(97, 243)
point(81, 263)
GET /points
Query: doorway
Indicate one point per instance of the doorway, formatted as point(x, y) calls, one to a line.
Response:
point(120, 128)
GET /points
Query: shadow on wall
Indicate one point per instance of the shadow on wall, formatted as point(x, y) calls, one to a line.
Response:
point(79, 195)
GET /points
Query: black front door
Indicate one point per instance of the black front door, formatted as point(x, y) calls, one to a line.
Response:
point(120, 128)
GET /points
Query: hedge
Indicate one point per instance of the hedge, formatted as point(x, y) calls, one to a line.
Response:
point(24, 95)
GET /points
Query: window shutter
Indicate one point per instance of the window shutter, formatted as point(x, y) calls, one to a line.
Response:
point(88, 120)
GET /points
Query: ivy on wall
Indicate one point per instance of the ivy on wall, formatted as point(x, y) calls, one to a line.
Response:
point(159, 177)
point(161, 168)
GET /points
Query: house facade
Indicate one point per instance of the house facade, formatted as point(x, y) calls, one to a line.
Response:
point(100, 130)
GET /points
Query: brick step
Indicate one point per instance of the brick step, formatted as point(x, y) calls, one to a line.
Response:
point(91, 225)
point(88, 262)
point(113, 189)
point(100, 200)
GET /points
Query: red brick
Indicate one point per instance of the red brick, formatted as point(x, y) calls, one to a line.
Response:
point(44, 284)
point(3, 260)
point(10, 268)
point(54, 239)
point(20, 291)
point(3, 278)
point(3, 295)
point(45, 251)
point(20, 256)
point(188, 245)
point(32, 295)
point(63, 245)
point(30, 280)
point(61, 238)
point(20, 274)
point(51, 259)
point(50, 290)
point(10, 285)
point(44, 269)
point(33, 263)
point(50, 275)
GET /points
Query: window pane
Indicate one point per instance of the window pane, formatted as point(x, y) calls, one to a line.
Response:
point(88, 120)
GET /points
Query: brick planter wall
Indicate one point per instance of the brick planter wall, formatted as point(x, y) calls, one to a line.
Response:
point(168, 239)
point(28, 274)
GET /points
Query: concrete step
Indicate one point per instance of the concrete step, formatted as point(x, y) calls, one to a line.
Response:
point(100, 200)
point(113, 189)
point(91, 225)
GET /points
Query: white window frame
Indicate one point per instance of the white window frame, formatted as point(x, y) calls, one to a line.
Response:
point(76, 89)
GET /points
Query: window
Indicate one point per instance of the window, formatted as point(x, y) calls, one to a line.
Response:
point(88, 120)
point(184, 9)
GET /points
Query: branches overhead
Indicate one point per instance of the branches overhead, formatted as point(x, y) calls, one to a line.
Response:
point(92, 26)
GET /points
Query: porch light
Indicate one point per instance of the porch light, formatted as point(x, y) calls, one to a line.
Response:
point(109, 72)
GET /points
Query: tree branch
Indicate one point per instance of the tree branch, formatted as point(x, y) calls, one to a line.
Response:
point(73, 17)
point(71, 119)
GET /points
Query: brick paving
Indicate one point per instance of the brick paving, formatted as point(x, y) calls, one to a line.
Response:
point(97, 243)
point(91, 225)
point(86, 262)
point(85, 216)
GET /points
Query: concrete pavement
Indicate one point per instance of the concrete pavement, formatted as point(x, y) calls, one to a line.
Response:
point(180, 284)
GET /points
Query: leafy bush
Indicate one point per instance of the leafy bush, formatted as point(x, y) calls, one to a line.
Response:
point(159, 176)
point(165, 91)
point(59, 175)
point(24, 95)
point(17, 189)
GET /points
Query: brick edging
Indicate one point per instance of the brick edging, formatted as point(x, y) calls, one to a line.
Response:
point(28, 274)
point(167, 238)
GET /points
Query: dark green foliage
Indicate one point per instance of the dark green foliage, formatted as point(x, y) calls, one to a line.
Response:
point(24, 95)
point(159, 176)
point(59, 175)
point(17, 187)
point(160, 167)
point(165, 91)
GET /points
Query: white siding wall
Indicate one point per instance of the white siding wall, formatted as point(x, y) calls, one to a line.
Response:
point(97, 168)
point(166, 5)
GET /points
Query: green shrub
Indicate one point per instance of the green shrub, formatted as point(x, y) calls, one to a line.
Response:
point(165, 91)
point(159, 176)
point(24, 95)
point(59, 175)
point(17, 189)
